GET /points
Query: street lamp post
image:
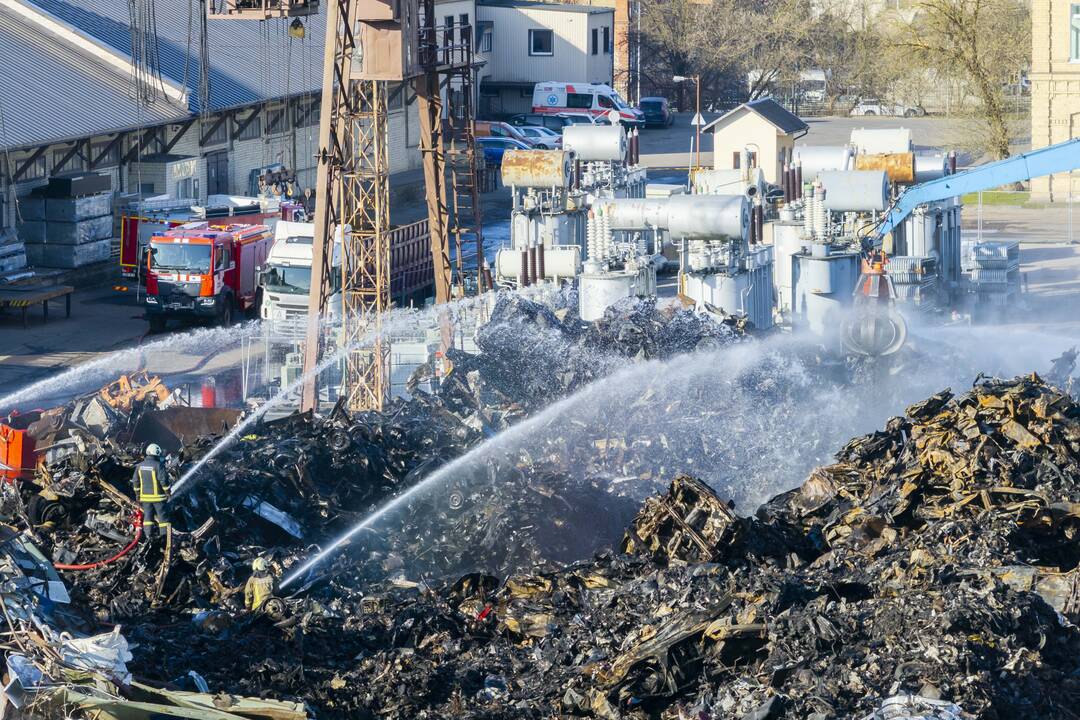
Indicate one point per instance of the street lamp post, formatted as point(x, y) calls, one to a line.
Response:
point(697, 114)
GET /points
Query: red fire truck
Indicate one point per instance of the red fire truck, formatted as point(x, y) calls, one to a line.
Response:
point(199, 270)
point(152, 217)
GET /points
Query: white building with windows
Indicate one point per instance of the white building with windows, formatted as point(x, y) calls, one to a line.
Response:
point(526, 42)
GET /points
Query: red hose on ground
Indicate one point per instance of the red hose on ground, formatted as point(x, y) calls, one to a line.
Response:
point(136, 522)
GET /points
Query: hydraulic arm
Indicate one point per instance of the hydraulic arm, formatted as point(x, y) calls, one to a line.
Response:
point(1062, 157)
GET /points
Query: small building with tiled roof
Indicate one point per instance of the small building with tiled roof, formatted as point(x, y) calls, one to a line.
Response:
point(764, 129)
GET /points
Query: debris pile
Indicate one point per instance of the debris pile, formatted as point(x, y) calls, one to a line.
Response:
point(532, 354)
point(930, 571)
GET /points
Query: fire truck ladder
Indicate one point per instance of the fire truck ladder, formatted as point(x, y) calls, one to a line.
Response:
point(467, 221)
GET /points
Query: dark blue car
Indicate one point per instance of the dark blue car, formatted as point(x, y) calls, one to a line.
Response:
point(494, 147)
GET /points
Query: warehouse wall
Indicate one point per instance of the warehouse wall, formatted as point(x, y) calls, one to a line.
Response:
point(295, 147)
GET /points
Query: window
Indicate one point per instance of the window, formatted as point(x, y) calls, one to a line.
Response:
point(219, 135)
point(541, 42)
point(606, 102)
point(487, 34)
point(72, 164)
point(109, 159)
point(736, 160)
point(224, 258)
point(36, 170)
point(275, 120)
point(396, 99)
point(1074, 32)
point(579, 101)
point(595, 41)
point(306, 113)
point(607, 40)
point(466, 31)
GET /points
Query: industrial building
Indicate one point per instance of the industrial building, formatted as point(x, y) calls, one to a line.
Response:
point(261, 109)
point(530, 42)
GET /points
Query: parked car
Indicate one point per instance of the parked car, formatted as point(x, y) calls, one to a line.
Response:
point(541, 137)
point(657, 111)
point(493, 128)
point(494, 147)
point(555, 122)
point(877, 107)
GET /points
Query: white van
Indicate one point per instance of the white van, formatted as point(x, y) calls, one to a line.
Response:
point(593, 99)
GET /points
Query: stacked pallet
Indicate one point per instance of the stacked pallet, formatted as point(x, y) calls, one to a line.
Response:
point(995, 273)
point(69, 223)
point(12, 253)
point(915, 279)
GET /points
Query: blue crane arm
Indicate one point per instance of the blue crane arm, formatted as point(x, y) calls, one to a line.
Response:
point(1062, 157)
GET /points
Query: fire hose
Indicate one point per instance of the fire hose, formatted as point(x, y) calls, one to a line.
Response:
point(136, 522)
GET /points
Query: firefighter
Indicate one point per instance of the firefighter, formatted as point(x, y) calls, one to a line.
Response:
point(260, 585)
point(151, 483)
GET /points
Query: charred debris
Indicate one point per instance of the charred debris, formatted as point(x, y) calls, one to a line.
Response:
point(929, 572)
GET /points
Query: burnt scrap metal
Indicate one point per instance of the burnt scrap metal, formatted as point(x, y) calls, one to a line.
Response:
point(931, 571)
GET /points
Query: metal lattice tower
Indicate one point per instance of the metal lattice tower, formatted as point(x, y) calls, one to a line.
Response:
point(365, 267)
point(467, 220)
point(352, 190)
point(353, 196)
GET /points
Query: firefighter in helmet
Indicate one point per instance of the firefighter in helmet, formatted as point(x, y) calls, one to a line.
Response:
point(260, 585)
point(151, 483)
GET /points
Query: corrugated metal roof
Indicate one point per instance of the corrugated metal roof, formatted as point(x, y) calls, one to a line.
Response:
point(250, 61)
point(51, 92)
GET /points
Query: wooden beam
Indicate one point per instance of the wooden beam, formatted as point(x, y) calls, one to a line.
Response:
point(95, 161)
point(243, 125)
point(64, 160)
point(310, 109)
point(134, 151)
point(223, 118)
point(271, 127)
point(178, 136)
point(29, 161)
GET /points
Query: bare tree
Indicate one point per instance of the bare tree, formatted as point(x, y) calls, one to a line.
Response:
point(985, 41)
point(749, 44)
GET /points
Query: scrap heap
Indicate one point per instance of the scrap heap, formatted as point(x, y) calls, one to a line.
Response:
point(931, 572)
point(531, 354)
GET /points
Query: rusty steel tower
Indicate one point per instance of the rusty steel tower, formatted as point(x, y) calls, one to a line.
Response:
point(370, 43)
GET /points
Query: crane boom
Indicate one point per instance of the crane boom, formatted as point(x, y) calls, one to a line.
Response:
point(1062, 157)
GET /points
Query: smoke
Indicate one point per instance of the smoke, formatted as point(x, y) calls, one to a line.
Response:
point(752, 420)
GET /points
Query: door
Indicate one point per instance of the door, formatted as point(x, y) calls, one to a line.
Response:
point(217, 173)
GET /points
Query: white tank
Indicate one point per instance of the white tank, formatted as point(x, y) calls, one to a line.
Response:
point(856, 190)
point(930, 167)
point(536, 168)
point(787, 242)
point(816, 159)
point(875, 141)
point(592, 143)
point(598, 292)
point(559, 263)
point(684, 216)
